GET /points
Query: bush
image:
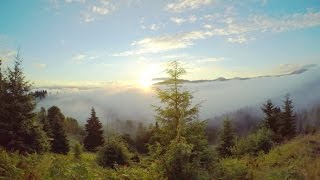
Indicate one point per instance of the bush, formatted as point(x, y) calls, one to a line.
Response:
point(262, 140)
point(113, 153)
point(231, 169)
point(77, 150)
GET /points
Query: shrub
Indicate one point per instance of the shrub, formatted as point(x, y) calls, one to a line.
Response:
point(262, 140)
point(231, 169)
point(77, 150)
point(114, 152)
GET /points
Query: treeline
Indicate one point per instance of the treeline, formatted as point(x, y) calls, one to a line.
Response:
point(278, 126)
point(246, 120)
point(41, 94)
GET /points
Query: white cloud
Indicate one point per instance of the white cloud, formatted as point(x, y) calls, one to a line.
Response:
point(100, 10)
point(210, 59)
point(240, 31)
point(179, 21)
point(287, 23)
point(104, 7)
point(238, 39)
point(87, 18)
point(182, 5)
point(154, 27)
point(79, 57)
point(235, 30)
point(86, 57)
point(207, 26)
point(290, 68)
point(40, 65)
point(165, 43)
point(75, 1)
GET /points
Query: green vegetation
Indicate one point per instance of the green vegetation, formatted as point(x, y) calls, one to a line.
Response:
point(297, 159)
point(77, 151)
point(94, 133)
point(227, 139)
point(114, 153)
point(36, 146)
point(59, 143)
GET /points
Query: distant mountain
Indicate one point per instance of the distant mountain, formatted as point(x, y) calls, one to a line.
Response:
point(298, 71)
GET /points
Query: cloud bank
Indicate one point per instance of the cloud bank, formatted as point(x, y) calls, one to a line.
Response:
point(117, 102)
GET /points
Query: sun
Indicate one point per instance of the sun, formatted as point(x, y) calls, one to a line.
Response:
point(147, 74)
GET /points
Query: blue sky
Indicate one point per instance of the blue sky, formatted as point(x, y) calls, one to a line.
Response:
point(82, 42)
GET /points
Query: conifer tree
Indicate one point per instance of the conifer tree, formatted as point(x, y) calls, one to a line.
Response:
point(227, 139)
point(140, 139)
point(59, 143)
point(18, 130)
point(94, 137)
point(272, 116)
point(178, 119)
point(288, 126)
point(42, 118)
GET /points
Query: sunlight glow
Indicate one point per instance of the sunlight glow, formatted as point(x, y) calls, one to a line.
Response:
point(149, 72)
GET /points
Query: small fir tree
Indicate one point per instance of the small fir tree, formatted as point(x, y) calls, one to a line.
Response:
point(59, 142)
point(94, 137)
point(288, 126)
point(227, 139)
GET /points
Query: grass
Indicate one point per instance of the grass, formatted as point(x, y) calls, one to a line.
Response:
point(296, 159)
point(52, 166)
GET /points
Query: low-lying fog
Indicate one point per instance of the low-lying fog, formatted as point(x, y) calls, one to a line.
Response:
point(116, 101)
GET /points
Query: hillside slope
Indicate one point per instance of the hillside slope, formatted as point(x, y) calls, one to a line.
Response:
point(297, 159)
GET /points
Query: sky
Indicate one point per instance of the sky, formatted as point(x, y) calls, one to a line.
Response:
point(98, 42)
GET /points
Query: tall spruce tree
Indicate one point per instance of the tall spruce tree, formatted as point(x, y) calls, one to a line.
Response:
point(272, 116)
point(94, 137)
point(288, 126)
point(178, 148)
point(59, 141)
point(227, 139)
point(18, 129)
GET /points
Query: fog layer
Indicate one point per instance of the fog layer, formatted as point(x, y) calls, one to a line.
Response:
point(119, 102)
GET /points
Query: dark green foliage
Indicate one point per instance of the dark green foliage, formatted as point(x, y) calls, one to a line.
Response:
point(42, 118)
point(18, 130)
point(177, 164)
point(94, 137)
point(41, 94)
point(126, 138)
point(227, 138)
point(143, 137)
point(112, 154)
point(260, 141)
point(272, 116)
point(71, 126)
point(59, 142)
point(288, 127)
point(202, 156)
